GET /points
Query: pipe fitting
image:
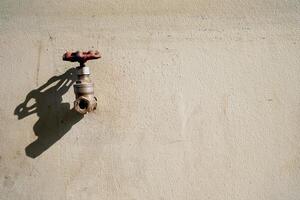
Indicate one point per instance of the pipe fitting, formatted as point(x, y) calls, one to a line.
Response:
point(83, 88)
point(84, 91)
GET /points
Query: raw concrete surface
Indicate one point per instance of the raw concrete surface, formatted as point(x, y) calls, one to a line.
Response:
point(197, 100)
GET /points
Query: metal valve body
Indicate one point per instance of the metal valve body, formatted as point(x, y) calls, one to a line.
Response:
point(84, 89)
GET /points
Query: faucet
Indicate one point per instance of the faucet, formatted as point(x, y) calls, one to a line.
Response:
point(84, 89)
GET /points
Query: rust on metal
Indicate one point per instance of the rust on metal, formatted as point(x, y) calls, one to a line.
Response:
point(81, 56)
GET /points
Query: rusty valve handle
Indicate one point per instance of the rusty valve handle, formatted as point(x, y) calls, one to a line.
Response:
point(81, 56)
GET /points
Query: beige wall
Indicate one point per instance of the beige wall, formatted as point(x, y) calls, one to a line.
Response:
point(197, 100)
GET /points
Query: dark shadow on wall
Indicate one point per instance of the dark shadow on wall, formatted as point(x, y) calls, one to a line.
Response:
point(55, 117)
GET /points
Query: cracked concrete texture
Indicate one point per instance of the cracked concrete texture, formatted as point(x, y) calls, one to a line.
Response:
point(197, 100)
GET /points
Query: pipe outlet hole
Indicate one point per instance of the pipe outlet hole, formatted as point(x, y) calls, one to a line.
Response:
point(83, 104)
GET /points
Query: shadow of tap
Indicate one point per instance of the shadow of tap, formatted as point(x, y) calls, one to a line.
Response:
point(55, 117)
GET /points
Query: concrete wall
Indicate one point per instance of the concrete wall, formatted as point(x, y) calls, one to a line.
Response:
point(197, 100)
